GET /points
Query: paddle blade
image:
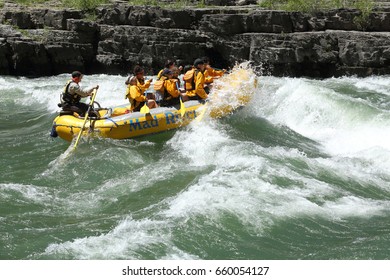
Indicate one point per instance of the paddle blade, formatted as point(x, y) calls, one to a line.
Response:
point(201, 115)
point(182, 108)
point(145, 109)
point(78, 138)
point(86, 117)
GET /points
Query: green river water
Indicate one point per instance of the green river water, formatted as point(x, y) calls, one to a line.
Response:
point(302, 172)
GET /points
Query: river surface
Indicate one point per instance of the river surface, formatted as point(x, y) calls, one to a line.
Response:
point(302, 172)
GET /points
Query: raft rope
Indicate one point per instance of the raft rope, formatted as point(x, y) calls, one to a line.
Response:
point(112, 121)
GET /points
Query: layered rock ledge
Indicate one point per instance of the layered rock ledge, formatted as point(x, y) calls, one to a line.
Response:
point(44, 41)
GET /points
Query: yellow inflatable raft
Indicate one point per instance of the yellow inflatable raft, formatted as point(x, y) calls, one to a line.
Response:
point(127, 125)
point(230, 92)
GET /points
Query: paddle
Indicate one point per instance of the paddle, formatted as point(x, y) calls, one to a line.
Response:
point(86, 117)
point(201, 115)
point(182, 107)
point(145, 109)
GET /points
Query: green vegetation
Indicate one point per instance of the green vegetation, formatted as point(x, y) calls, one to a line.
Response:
point(317, 5)
point(202, 4)
point(290, 5)
point(144, 2)
point(30, 2)
point(38, 35)
point(91, 16)
point(365, 6)
point(174, 4)
point(311, 6)
point(77, 4)
point(83, 4)
point(91, 4)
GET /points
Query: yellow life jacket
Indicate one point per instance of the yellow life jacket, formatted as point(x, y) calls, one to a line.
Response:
point(134, 102)
point(127, 94)
point(159, 85)
point(189, 79)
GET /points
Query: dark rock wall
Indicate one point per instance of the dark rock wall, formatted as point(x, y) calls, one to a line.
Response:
point(37, 42)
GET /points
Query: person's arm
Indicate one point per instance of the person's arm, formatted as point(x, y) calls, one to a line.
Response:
point(211, 74)
point(171, 88)
point(75, 88)
point(217, 73)
point(135, 94)
point(144, 86)
point(208, 77)
point(199, 86)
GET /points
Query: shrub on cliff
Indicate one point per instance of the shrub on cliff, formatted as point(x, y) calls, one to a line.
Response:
point(78, 4)
point(316, 5)
point(84, 4)
point(310, 6)
point(29, 2)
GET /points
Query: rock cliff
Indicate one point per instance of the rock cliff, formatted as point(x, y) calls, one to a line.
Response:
point(116, 37)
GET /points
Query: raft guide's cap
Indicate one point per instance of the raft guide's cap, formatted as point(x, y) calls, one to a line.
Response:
point(76, 74)
point(198, 61)
point(167, 72)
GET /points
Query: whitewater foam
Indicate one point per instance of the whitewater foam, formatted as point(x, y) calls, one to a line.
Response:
point(344, 125)
point(130, 239)
point(28, 193)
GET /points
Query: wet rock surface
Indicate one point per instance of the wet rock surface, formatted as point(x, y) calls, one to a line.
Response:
point(116, 37)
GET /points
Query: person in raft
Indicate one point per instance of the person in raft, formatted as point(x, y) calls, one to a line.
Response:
point(169, 88)
point(210, 74)
point(72, 94)
point(170, 65)
point(136, 96)
point(195, 81)
point(139, 74)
